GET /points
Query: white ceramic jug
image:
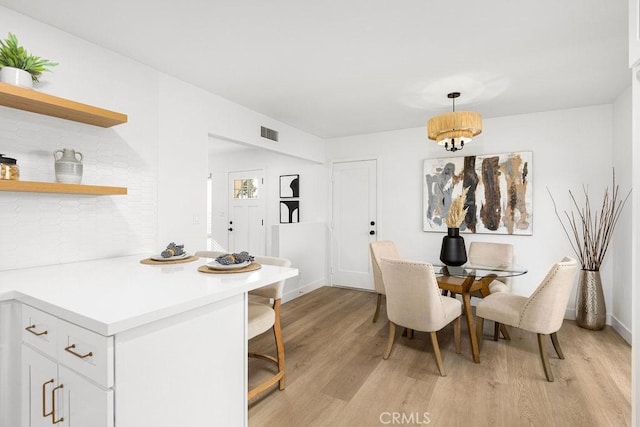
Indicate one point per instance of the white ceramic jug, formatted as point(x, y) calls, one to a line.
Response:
point(68, 166)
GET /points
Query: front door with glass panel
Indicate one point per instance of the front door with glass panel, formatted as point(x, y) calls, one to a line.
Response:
point(246, 212)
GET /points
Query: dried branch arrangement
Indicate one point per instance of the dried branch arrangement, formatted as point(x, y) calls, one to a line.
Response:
point(457, 211)
point(590, 232)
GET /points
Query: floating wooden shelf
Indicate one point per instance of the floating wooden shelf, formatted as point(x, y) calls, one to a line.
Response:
point(56, 187)
point(49, 105)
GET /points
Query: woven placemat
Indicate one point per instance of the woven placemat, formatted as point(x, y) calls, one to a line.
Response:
point(251, 267)
point(150, 261)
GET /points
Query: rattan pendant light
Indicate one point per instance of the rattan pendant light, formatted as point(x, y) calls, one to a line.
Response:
point(454, 129)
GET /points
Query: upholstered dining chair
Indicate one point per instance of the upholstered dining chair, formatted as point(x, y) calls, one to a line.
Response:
point(542, 312)
point(264, 315)
point(380, 249)
point(415, 302)
point(492, 255)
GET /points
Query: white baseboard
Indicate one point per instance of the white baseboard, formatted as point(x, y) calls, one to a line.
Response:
point(611, 320)
point(295, 293)
point(570, 313)
point(621, 329)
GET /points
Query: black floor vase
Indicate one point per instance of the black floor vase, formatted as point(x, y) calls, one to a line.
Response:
point(453, 251)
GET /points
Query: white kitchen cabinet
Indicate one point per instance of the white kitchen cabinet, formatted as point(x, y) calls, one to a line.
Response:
point(165, 346)
point(54, 354)
point(9, 363)
point(186, 370)
point(55, 395)
point(84, 403)
point(39, 378)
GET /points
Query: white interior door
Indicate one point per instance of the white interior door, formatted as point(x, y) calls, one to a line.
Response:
point(246, 229)
point(354, 222)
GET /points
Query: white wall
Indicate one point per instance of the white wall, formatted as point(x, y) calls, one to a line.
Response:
point(42, 229)
point(160, 155)
point(620, 250)
point(635, 239)
point(313, 190)
point(570, 148)
point(303, 243)
point(188, 116)
point(182, 164)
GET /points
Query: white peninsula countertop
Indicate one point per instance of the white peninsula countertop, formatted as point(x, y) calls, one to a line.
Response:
point(112, 295)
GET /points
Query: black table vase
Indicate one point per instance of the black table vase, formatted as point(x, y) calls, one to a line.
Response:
point(453, 251)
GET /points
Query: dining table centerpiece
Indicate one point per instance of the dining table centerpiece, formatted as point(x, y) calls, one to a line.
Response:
point(453, 251)
point(589, 233)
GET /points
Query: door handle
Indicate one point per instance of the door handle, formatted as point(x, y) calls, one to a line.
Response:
point(45, 414)
point(80, 356)
point(229, 229)
point(31, 328)
point(53, 405)
point(372, 232)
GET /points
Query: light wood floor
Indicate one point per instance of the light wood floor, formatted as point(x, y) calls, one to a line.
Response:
point(336, 375)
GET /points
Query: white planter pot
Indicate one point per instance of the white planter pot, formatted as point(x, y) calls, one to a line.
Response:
point(16, 76)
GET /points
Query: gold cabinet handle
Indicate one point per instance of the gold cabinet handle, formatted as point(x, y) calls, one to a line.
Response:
point(45, 414)
point(31, 328)
point(81, 356)
point(53, 404)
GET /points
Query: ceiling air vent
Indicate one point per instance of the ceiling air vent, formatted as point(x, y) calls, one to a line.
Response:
point(269, 133)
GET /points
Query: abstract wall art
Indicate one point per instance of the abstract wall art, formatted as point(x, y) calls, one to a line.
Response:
point(289, 211)
point(289, 186)
point(500, 194)
point(289, 189)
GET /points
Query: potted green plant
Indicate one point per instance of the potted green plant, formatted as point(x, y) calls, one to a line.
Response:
point(17, 66)
point(590, 232)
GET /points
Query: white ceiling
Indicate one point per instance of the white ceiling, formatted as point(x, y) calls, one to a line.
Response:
point(336, 68)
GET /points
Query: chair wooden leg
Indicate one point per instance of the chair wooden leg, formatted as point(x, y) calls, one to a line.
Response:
point(505, 331)
point(279, 377)
point(378, 304)
point(392, 335)
point(436, 353)
point(466, 310)
point(496, 331)
point(406, 332)
point(456, 334)
point(479, 327)
point(277, 331)
point(542, 346)
point(556, 345)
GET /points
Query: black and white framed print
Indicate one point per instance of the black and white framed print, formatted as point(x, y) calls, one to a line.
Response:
point(289, 211)
point(289, 186)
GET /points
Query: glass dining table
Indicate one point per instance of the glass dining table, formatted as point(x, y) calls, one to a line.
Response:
point(469, 279)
